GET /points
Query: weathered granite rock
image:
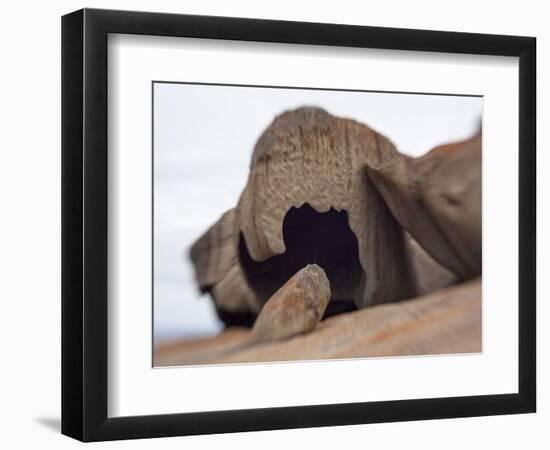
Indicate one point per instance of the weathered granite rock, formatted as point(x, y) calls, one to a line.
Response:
point(218, 272)
point(333, 192)
point(429, 275)
point(296, 308)
point(437, 199)
point(443, 322)
point(308, 157)
point(308, 200)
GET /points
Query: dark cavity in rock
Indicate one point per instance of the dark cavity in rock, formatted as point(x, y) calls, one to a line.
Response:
point(311, 237)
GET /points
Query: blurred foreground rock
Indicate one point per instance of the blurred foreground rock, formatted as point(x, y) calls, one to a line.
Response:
point(445, 321)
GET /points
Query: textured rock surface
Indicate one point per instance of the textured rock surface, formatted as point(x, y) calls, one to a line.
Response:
point(429, 275)
point(215, 258)
point(296, 308)
point(331, 191)
point(307, 200)
point(437, 199)
point(443, 322)
point(308, 157)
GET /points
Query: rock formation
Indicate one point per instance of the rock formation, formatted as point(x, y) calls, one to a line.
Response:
point(215, 256)
point(443, 322)
point(333, 192)
point(308, 200)
point(437, 199)
point(296, 308)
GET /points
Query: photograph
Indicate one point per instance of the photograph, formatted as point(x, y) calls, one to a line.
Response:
point(302, 224)
point(270, 226)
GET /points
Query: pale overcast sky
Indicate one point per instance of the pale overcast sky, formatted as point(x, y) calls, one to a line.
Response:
point(203, 141)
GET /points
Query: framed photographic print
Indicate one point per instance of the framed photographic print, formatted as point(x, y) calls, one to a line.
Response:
point(273, 224)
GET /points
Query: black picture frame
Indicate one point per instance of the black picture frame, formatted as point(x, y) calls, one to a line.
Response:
point(84, 224)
